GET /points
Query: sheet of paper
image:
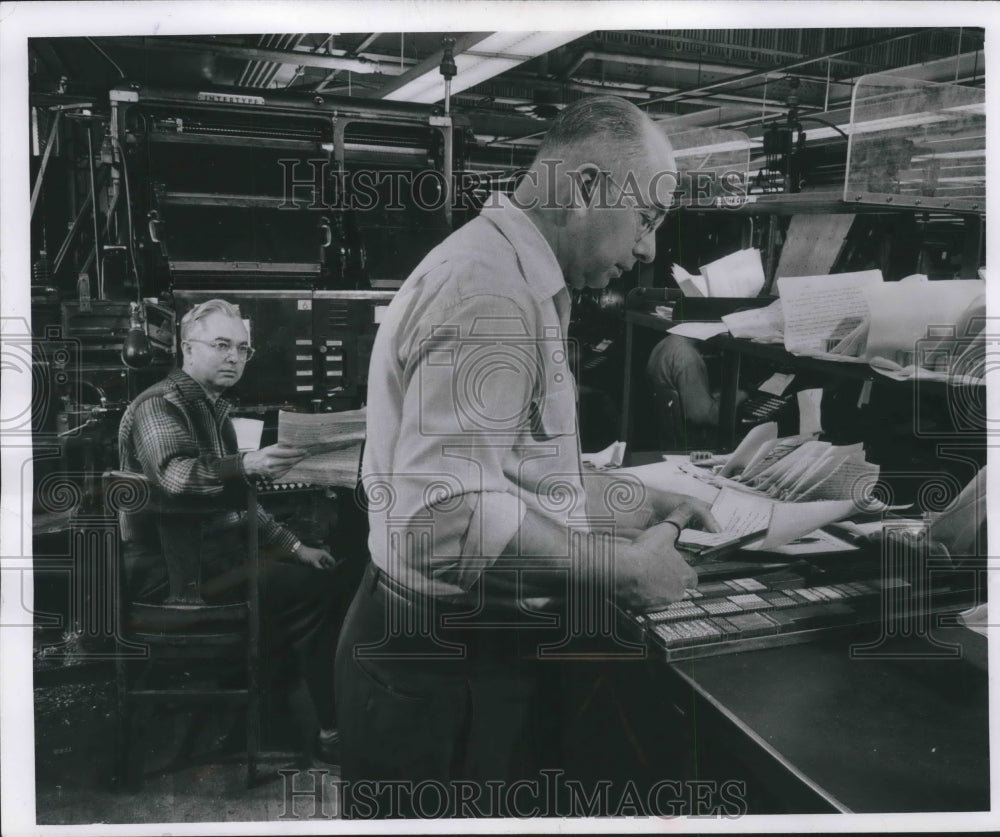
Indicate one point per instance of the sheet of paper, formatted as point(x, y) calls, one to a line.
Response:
point(777, 383)
point(248, 433)
point(826, 465)
point(902, 312)
point(812, 543)
point(699, 331)
point(333, 468)
point(763, 451)
point(668, 476)
point(741, 513)
point(780, 448)
point(321, 432)
point(696, 539)
point(815, 305)
point(810, 401)
point(691, 284)
point(848, 480)
point(745, 450)
point(793, 520)
point(783, 474)
point(740, 274)
point(766, 325)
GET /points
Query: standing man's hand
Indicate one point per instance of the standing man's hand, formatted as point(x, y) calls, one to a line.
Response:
point(315, 557)
point(272, 462)
point(683, 511)
point(651, 572)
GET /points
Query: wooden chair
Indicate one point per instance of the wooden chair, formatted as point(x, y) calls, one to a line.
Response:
point(175, 636)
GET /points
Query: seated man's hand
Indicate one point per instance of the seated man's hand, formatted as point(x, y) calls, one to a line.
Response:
point(651, 572)
point(272, 462)
point(315, 557)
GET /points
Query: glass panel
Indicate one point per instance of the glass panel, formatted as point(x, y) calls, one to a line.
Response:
point(712, 164)
point(916, 144)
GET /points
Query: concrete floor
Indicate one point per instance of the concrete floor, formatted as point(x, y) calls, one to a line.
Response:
point(194, 767)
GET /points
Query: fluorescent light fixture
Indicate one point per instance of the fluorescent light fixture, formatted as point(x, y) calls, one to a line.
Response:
point(489, 57)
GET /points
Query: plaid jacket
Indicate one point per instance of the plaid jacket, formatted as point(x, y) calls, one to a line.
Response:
point(186, 446)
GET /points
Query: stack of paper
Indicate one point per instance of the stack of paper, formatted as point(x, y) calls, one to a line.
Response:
point(756, 522)
point(740, 274)
point(744, 514)
point(801, 468)
point(334, 443)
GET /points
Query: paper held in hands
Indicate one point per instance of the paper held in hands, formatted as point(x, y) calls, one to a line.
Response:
point(334, 443)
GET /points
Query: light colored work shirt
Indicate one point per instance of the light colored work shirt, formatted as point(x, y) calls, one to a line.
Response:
point(471, 405)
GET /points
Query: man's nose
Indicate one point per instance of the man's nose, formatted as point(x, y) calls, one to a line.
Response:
point(645, 248)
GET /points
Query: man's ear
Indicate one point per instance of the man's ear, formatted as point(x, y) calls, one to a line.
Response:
point(585, 180)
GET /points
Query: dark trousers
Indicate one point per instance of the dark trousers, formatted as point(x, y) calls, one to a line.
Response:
point(300, 606)
point(420, 701)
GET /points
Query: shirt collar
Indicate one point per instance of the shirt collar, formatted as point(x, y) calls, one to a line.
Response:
point(538, 262)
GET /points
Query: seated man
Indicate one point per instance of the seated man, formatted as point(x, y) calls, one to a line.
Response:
point(179, 435)
point(686, 404)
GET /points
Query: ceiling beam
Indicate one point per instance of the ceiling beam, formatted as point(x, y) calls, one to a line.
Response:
point(432, 63)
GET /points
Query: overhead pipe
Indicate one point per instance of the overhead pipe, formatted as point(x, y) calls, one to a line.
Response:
point(281, 56)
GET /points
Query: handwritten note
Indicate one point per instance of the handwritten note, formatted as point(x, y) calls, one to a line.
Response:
point(742, 513)
point(815, 305)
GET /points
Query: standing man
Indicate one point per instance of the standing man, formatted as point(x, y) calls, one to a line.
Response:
point(481, 519)
point(179, 435)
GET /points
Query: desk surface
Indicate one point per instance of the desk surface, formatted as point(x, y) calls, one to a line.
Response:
point(900, 734)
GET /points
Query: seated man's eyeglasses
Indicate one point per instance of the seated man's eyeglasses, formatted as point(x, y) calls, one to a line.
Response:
point(649, 221)
point(224, 348)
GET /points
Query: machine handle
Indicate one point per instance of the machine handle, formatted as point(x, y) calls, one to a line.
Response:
point(324, 225)
point(154, 224)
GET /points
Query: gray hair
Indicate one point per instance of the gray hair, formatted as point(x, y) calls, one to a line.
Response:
point(608, 126)
point(203, 309)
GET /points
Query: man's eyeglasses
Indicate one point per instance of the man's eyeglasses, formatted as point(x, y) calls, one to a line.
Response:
point(224, 348)
point(649, 222)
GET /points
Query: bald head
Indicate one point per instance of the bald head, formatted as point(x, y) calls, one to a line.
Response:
point(609, 132)
point(599, 188)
